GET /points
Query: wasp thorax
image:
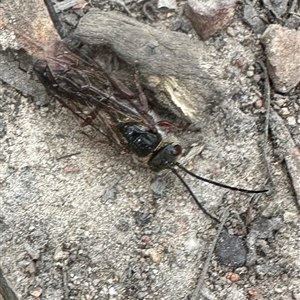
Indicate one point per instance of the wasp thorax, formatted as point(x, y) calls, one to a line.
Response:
point(147, 145)
point(140, 142)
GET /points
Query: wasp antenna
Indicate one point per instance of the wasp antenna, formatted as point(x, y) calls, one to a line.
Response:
point(54, 18)
point(221, 184)
point(194, 197)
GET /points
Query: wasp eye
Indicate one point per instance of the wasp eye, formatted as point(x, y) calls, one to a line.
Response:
point(175, 150)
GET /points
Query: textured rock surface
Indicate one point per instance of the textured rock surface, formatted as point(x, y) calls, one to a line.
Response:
point(207, 17)
point(78, 219)
point(283, 56)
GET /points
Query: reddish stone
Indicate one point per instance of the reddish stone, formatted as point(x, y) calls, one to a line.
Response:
point(282, 47)
point(209, 16)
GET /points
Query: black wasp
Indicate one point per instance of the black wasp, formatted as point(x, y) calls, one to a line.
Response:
point(103, 102)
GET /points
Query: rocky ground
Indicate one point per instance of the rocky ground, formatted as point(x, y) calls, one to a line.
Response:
point(81, 220)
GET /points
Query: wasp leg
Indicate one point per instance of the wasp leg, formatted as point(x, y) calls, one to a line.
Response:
point(168, 124)
point(142, 97)
point(123, 90)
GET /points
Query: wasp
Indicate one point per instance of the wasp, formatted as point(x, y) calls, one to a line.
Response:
point(98, 99)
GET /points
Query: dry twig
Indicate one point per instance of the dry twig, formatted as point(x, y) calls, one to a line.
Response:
point(5, 290)
point(267, 122)
point(197, 293)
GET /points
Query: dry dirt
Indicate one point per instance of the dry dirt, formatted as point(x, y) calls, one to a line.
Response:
point(80, 220)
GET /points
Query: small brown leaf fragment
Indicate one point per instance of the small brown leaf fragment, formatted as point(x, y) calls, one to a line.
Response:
point(36, 292)
point(233, 277)
point(71, 168)
point(253, 293)
point(156, 256)
point(80, 4)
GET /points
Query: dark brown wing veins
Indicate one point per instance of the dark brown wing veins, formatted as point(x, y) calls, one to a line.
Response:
point(82, 85)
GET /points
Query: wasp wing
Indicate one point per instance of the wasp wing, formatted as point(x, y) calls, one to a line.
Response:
point(84, 87)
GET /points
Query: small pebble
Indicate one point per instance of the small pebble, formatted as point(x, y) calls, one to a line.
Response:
point(156, 256)
point(280, 102)
point(186, 27)
point(36, 292)
point(285, 111)
point(112, 291)
point(60, 255)
point(230, 31)
point(31, 269)
point(231, 250)
point(297, 296)
point(146, 252)
point(250, 73)
point(71, 168)
point(258, 103)
point(240, 62)
point(284, 277)
point(31, 228)
point(142, 295)
point(278, 290)
point(71, 19)
point(291, 121)
point(233, 277)
point(176, 25)
point(253, 293)
point(290, 217)
point(145, 239)
point(257, 77)
point(44, 109)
